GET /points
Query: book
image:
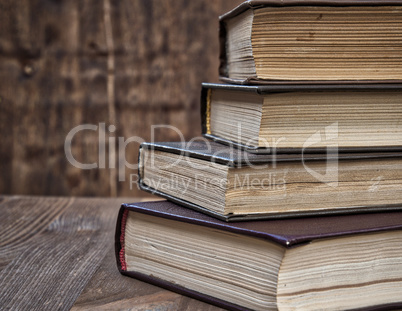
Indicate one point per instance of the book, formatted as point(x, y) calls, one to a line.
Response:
point(232, 184)
point(327, 40)
point(258, 118)
point(349, 262)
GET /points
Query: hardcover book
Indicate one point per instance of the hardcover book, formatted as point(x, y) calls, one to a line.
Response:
point(328, 40)
point(288, 117)
point(232, 184)
point(349, 262)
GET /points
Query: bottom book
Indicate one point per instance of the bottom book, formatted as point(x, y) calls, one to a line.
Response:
point(313, 263)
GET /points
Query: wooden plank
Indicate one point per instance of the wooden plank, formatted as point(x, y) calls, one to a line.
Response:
point(56, 263)
point(22, 220)
point(54, 73)
point(55, 250)
point(109, 290)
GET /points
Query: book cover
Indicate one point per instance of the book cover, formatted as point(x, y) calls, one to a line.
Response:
point(288, 234)
point(314, 46)
point(216, 154)
point(363, 93)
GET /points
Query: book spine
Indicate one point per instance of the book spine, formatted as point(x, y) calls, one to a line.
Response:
point(140, 166)
point(119, 239)
point(206, 110)
point(122, 266)
point(223, 66)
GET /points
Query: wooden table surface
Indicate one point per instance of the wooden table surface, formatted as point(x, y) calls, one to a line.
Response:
point(57, 253)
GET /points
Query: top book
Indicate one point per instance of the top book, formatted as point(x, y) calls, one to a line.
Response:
point(321, 40)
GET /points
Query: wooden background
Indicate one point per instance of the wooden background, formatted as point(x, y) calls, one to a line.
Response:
point(127, 63)
point(57, 253)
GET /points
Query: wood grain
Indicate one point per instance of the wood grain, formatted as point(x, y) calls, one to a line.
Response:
point(23, 220)
point(54, 76)
point(57, 253)
point(109, 290)
point(60, 253)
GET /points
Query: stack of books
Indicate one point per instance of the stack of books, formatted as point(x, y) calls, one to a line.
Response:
point(292, 200)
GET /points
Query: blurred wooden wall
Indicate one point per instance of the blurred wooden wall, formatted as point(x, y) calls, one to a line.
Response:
point(127, 63)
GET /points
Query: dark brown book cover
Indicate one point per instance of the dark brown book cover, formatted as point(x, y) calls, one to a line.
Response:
point(286, 232)
point(233, 157)
point(255, 4)
point(288, 88)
